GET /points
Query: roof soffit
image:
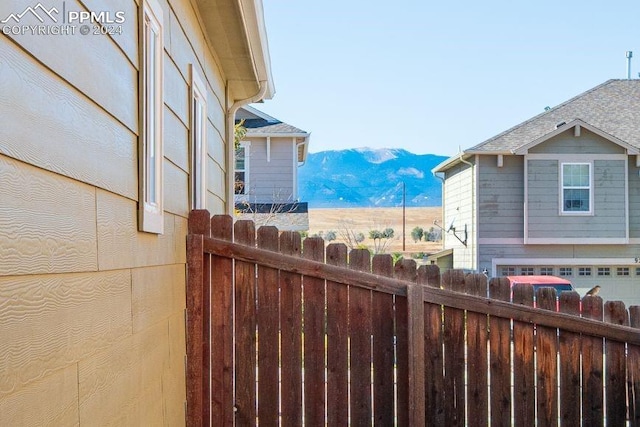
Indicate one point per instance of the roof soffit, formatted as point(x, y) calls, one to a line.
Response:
point(235, 30)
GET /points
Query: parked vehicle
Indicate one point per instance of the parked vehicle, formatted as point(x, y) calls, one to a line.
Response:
point(558, 283)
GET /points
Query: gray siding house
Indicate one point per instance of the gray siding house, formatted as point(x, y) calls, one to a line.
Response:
point(266, 171)
point(556, 195)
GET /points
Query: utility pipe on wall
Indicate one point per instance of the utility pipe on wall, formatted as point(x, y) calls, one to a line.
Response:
point(231, 164)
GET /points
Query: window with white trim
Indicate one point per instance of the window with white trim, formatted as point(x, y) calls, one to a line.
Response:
point(508, 271)
point(565, 271)
point(604, 271)
point(242, 169)
point(576, 191)
point(198, 140)
point(622, 271)
point(546, 271)
point(584, 271)
point(527, 271)
point(150, 203)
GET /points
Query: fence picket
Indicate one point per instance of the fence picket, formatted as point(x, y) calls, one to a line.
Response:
point(222, 326)
point(291, 333)
point(406, 270)
point(383, 346)
point(633, 370)
point(569, 348)
point(245, 328)
point(360, 336)
point(434, 378)
point(337, 341)
point(592, 369)
point(477, 339)
point(546, 363)
point(314, 333)
point(268, 331)
point(454, 363)
point(523, 366)
point(402, 359)
point(500, 356)
point(616, 398)
point(197, 332)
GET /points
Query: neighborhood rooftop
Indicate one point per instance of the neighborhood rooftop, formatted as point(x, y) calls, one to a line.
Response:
point(613, 107)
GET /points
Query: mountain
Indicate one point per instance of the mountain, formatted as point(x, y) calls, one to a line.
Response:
point(364, 177)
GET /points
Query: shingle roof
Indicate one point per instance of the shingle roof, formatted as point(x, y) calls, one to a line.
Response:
point(613, 107)
point(262, 126)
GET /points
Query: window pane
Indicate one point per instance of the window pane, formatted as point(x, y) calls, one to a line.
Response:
point(576, 200)
point(240, 156)
point(576, 175)
point(239, 183)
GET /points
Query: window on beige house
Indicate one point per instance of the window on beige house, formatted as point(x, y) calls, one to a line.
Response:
point(198, 140)
point(151, 155)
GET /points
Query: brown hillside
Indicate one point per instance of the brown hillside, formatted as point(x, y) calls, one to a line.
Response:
point(365, 219)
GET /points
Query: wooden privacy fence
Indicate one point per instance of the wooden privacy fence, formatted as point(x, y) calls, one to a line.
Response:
point(285, 332)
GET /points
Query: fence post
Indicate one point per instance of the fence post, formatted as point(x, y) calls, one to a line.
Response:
point(197, 322)
point(415, 315)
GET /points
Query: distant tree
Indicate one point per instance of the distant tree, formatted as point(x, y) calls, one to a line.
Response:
point(239, 132)
point(416, 234)
point(350, 237)
point(433, 235)
point(331, 236)
point(381, 239)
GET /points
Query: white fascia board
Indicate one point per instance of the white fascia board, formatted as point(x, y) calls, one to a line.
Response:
point(576, 241)
point(259, 114)
point(253, 16)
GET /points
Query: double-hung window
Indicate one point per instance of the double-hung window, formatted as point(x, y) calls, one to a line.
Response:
point(576, 192)
point(198, 140)
point(150, 203)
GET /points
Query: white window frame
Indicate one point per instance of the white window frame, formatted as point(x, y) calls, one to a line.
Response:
point(198, 161)
point(151, 155)
point(245, 145)
point(563, 188)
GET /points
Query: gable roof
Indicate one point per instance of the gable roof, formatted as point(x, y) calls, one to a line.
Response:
point(261, 124)
point(613, 107)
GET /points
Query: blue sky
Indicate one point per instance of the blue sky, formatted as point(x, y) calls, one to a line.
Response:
point(431, 77)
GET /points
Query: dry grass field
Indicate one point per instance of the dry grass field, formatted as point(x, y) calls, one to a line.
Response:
point(365, 219)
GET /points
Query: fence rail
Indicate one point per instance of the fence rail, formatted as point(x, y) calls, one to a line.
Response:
point(285, 332)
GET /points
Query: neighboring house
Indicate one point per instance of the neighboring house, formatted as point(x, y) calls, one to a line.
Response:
point(109, 134)
point(558, 194)
point(266, 171)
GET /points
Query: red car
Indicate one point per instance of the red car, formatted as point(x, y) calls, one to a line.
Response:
point(557, 283)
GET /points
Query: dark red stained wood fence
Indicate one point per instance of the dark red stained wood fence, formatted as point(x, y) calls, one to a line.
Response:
point(286, 332)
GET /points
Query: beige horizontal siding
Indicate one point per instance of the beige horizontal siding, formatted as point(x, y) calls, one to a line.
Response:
point(47, 123)
point(158, 292)
point(47, 221)
point(123, 385)
point(52, 321)
point(176, 190)
point(52, 401)
point(176, 91)
point(176, 140)
point(128, 40)
point(121, 245)
point(108, 78)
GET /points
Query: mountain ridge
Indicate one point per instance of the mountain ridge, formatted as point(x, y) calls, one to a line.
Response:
point(365, 177)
